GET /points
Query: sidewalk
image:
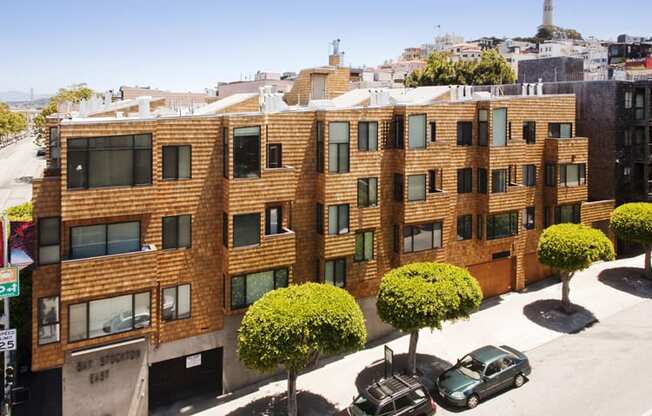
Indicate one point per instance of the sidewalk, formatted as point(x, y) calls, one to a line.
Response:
point(522, 320)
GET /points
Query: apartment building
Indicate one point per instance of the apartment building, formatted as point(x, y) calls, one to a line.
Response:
point(156, 232)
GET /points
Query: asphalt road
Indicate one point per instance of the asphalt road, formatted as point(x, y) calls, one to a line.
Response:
point(18, 166)
point(605, 370)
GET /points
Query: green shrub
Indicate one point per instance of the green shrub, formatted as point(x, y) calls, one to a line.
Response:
point(573, 247)
point(633, 222)
point(22, 212)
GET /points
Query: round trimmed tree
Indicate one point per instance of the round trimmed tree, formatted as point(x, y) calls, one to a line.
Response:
point(290, 327)
point(570, 248)
point(633, 222)
point(423, 295)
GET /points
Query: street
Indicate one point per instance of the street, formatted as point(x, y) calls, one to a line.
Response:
point(18, 166)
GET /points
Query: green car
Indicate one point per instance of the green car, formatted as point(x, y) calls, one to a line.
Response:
point(483, 373)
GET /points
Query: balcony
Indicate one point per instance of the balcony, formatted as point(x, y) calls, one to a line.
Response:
point(436, 206)
point(278, 184)
point(560, 195)
point(596, 211)
point(566, 150)
point(515, 198)
point(273, 251)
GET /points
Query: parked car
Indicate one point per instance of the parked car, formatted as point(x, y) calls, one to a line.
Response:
point(123, 322)
point(482, 373)
point(40, 151)
point(398, 395)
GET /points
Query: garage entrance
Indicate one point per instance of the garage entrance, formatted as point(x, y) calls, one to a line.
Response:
point(495, 277)
point(534, 271)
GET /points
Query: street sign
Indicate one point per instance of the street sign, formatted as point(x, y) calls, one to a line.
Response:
point(9, 282)
point(8, 340)
point(389, 362)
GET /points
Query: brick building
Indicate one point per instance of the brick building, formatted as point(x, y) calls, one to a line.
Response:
point(155, 233)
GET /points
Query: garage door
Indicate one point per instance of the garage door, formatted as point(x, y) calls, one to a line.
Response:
point(495, 277)
point(185, 377)
point(534, 271)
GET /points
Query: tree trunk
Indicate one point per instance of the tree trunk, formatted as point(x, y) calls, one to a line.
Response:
point(648, 267)
point(412, 353)
point(292, 392)
point(565, 291)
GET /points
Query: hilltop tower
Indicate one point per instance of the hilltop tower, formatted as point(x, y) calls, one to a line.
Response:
point(547, 14)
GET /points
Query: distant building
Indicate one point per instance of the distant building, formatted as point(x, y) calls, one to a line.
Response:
point(172, 99)
point(261, 79)
point(561, 68)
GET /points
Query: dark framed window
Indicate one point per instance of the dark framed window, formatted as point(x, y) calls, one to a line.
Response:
point(177, 162)
point(176, 302)
point(338, 147)
point(417, 131)
point(368, 136)
point(319, 145)
point(482, 180)
point(246, 230)
point(639, 105)
point(367, 192)
point(464, 227)
point(109, 161)
point(499, 127)
point(104, 239)
point(247, 289)
point(420, 237)
point(320, 218)
point(177, 231)
point(433, 131)
point(568, 214)
point(502, 225)
point(364, 246)
point(225, 229)
point(483, 127)
point(398, 131)
point(48, 320)
point(435, 180)
point(225, 152)
point(274, 220)
point(335, 272)
point(49, 240)
point(416, 188)
point(396, 238)
point(529, 175)
point(529, 218)
point(512, 178)
point(560, 130)
point(546, 217)
point(479, 226)
point(398, 187)
point(55, 145)
point(629, 100)
point(464, 181)
point(338, 219)
point(499, 181)
point(246, 152)
point(274, 156)
point(571, 175)
point(464, 133)
point(530, 132)
point(551, 175)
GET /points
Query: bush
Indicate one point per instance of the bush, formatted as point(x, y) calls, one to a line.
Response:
point(22, 212)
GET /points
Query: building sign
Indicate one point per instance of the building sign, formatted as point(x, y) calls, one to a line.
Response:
point(9, 282)
point(389, 362)
point(98, 368)
point(193, 360)
point(8, 340)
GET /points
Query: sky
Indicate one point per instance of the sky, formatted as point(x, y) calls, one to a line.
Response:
point(190, 45)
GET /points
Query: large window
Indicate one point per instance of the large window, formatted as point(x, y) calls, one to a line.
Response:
point(498, 181)
point(502, 225)
point(335, 272)
point(499, 124)
point(104, 239)
point(530, 132)
point(246, 230)
point(568, 214)
point(572, 174)
point(464, 227)
point(364, 246)
point(417, 188)
point(417, 131)
point(338, 219)
point(247, 289)
point(398, 187)
point(274, 155)
point(109, 161)
point(319, 145)
point(367, 192)
point(338, 147)
point(422, 237)
point(49, 240)
point(246, 152)
point(482, 180)
point(529, 175)
point(176, 302)
point(48, 320)
point(274, 220)
point(177, 162)
point(177, 231)
point(483, 127)
point(560, 130)
point(464, 133)
point(102, 317)
point(464, 181)
point(367, 136)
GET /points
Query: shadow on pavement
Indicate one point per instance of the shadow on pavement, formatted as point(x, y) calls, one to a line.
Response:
point(548, 313)
point(309, 404)
point(627, 279)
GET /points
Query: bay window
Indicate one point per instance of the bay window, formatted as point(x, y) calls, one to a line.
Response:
point(246, 152)
point(104, 239)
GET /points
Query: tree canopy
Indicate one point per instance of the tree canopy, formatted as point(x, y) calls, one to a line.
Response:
point(22, 212)
point(74, 95)
point(633, 222)
point(11, 122)
point(573, 247)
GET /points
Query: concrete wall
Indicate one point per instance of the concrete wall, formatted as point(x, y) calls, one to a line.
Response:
point(551, 69)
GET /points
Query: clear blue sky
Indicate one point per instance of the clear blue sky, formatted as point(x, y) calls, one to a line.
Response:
point(189, 45)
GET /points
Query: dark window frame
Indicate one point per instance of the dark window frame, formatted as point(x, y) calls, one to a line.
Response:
point(319, 146)
point(336, 279)
point(272, 163)
point(465, 133)
point(257, 243)
point(550, 178)
point(464, 227)
point(483, 181)
point(339, 149)
point(530, 132)
point(268, 224)
point(40, 324)
point(398, 131)
point(425, 131)
point(225, 152)
point(225, 229)
point(433, 131)
point(563, 174)
point(483, 127)
point(512, 226)
point(479, 226)
point(554, 130)
point(235, 307)
point(576, 213)
point(530, 213)
point(435, 181)
point(425, 188)
point(465, 180)
point(176, 244)
point(433, 246)
point(320, 213)
point(529, 175)
point(175, 148)
point(368, 147)
point(363, 234)
point(499, 186)
point(106, 239)
point(368, 203)
point(256, 172)
point(40, 236)
point(399, 187)
point(176, 302)
point(338, 217)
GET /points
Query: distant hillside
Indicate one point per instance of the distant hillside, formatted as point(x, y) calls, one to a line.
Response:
point(20, 96)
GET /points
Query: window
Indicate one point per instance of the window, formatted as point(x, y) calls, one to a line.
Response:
point(225, 152)
point(176, 302)
point(629, 96)
point(479, 227)
point(398, 187)
point(48, 320)
point(464, 181)
point(320, 218)
point(225, 229)
point(246, 152)
point(176, 162)
point(560, 130)
point(483, 127)
point(396, 238)
point(49, 240)
point(338, 219)
point(433, 131)
point(109, 161)
point(639, 105)
point(338, 147)
point(416, 188)
point(568, 214)
point(114, 315)
point(398, 131)
point(246, 230)
point(435, 180)
point(335, 272)
point(247, 289)
point(367, 192)
point(530, 132)
point(367, 136)
point(572, 174)
point(464, 227)
point(499, 130)
point(627, 138)
point(274, 156)
point(317, 86)
point(502, 225)
point(482, 180)
point(177, 231)
point(528, 219)
point(511, 175)
point(364, 246)
point(104, 239)
point(551, 175)
point(319, 144)
point(529, 175)
point(498, 181)
point(546, 217)
point(274, 220)
point(422, 237)
point(417, 131)
point(464, 133)
point(55, 145)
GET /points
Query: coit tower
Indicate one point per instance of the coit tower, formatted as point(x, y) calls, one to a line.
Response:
point(547, 13)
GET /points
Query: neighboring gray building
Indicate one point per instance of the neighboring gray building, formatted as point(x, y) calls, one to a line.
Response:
point(557, 69)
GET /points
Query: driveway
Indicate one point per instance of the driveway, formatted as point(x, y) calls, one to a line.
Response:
point(18, 166)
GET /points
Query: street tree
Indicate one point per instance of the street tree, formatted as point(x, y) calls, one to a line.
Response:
point(493, 69)
point(633, 222)
point(570, 248)
point(74, 95)
point(11, 123)
point(291, 327)
point(423, 295)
